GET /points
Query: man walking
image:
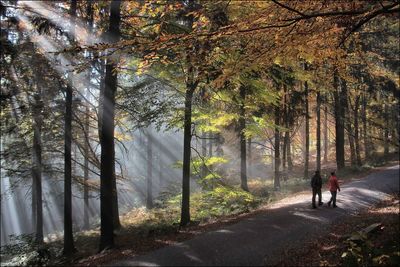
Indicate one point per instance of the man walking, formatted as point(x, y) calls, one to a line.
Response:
point(316, 184)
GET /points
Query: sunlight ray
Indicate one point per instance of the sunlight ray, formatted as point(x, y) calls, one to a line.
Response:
point(81, 33)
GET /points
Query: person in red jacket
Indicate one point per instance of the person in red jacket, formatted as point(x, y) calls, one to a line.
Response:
point(333, 187)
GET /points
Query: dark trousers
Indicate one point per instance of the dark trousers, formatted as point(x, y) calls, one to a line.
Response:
point(333, 198)
point(316, 191)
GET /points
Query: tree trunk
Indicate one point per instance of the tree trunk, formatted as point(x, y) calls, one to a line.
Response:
point(326, 137)
point(187, 137)
point(149, 197)
point(277, 152)
point(210, 144)
point(318, 131)
point(367, 151)
point(289, 154)
point(37, 167)
point(249, 151)
point(86, 221)
point(386, 130)
point(339, 123)
point(107, 169)
point(203, 153)
point(242, 137)
point(307, 132)
point(356, 131)
point(350, 133)
point(68, 234)
point(34, 196)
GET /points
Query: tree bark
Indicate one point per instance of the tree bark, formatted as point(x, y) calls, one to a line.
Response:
point(187, 137)
point(386, 130)
point(249, 155)
point(276, 148)
point(339, 123)
point(367, 151)
point(307, 131)
point(68, 234)
point(37, 166)
point(203, 153)
point(350, 133)
point(86, 220)
point(149, 197)
point(107, 169)
point(318, 131)
point(242, 137)
point(289, 154)
point(326, 137)
point(210, 144)
point(356, 131)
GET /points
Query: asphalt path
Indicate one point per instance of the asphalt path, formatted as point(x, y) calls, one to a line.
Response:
point(260, 240)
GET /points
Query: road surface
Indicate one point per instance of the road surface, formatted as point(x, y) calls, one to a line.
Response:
point(260, 240)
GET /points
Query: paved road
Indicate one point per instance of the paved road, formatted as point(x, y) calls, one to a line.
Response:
point(257, 241)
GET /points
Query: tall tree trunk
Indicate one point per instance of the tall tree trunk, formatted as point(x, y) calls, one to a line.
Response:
point(386, 130)
point(187, 137)
point(210, 144)
point(277, 164)
point(242, 137)
point(356, 131)
point(37, 166)
point(107, 168)
point(339, 123)
point(350, 133)
point(347, 121)
point(284, 150)
point(365, 131)
point(289, 154)
point(318, 130)
point(34, 196)
point(286, 123)
point(204, 153)
point(149, 197)
point(86, 221)
point(160, 170)
point(326, 137)
point(307, 130)
point(249, 156)
point(68, 234)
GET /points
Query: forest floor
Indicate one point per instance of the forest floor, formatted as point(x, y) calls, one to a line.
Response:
point(296, 202)
point(343, 244)
point(142, 238)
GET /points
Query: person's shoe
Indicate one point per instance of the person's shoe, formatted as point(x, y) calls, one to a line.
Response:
point(320, 203)
point(334, 206)
point(314, 207)
point(329, 204)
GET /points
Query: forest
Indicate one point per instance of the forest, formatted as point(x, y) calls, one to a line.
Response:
point(124, 123)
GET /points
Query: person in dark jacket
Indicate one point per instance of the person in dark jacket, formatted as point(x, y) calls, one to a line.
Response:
point(316, 185)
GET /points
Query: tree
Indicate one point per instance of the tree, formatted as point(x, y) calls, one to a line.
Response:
point(149, 178)
point(107, 169)
point(68, 235)
point(242, 137)
point(307, 127)
point(318, 130)
point(339, 121)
